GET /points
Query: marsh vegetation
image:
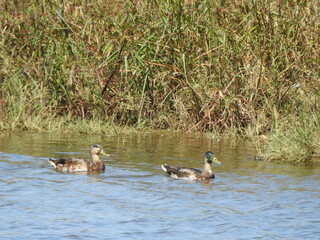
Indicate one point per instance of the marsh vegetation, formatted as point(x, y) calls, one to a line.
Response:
point(241, 67)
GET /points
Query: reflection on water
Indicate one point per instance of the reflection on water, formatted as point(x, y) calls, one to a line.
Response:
point(134, 199)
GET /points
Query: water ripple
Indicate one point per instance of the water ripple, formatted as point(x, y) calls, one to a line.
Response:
point(134, 199)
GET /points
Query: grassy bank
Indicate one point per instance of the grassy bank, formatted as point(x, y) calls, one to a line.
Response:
point(246, 67)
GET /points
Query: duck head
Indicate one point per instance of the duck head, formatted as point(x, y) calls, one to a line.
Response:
point(97, 149)
point(210, 158)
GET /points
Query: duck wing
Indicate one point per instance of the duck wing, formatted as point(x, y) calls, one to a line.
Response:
point(55, 162)
point(70, 164)
point(181, 172)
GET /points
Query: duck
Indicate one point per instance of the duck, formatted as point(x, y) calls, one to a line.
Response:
point(80, 164)
point(193, 173)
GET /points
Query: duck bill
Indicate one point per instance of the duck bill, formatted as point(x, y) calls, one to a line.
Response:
point(104, 153)
point(215, 160)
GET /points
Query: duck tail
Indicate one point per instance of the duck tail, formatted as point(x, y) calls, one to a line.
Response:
point(164, 167)
point(169, 169)
point(52, 162)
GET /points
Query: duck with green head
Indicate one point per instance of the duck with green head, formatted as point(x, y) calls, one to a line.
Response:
point(192, 173)
point(80, 164)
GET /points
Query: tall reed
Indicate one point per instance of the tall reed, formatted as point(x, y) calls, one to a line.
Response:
point(186, 65)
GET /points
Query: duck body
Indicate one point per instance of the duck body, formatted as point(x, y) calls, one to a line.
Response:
point(80, 164)
point(187, 173)
point(76, 165)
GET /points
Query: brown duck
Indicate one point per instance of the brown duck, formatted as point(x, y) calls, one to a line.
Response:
point(80, 164)
point(192, 173)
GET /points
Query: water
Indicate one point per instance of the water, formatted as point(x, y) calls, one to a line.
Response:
point(134, 199)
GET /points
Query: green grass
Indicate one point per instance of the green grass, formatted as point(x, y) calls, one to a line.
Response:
point(295, 142)
point(242, 67)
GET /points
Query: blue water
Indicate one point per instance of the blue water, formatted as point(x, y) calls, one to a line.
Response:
point(134, 199)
